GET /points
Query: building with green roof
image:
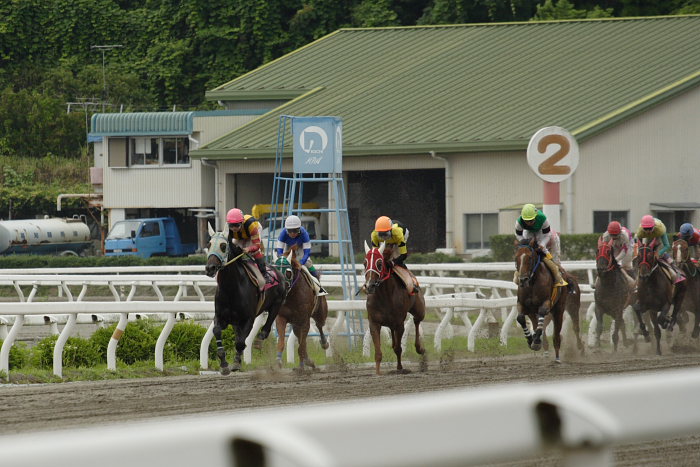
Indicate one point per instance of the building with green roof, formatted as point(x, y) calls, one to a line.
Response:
point(437, 121)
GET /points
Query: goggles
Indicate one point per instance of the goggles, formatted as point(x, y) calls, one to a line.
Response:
point(234, 225)
point(293, 231)
point(386, 234)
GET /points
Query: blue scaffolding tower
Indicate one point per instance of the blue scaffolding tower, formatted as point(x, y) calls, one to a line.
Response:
point(317, 158)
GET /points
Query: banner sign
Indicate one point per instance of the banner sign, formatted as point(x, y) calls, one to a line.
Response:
point(318, 144)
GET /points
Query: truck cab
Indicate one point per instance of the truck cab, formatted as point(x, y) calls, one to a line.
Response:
point(158, 236)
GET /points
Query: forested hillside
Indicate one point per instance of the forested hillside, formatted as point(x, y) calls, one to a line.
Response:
point(165, 54)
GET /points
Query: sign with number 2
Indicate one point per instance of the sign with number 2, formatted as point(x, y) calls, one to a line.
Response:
point(553, 154)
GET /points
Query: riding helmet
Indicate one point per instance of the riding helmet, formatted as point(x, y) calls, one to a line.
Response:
point(687, 230)
point(529, 212)
point(648, 222)
point(614, 228)
point(292, 222)
point(383, 224)
point(234, 216)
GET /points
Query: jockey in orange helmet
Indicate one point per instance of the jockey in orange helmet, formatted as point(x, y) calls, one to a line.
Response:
point(394, 234)
point(652, 229)
point(244, 231)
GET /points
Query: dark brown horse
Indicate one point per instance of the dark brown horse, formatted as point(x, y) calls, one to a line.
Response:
point(612, 293)
point(655, 294)
point(300, 306)
point(537, 299)
point(388, 304)
point(237, 301)
point(691, 303)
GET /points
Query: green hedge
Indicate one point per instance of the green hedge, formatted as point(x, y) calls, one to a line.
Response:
point(573, 247)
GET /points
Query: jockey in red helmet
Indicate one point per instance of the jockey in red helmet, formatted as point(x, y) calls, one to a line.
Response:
point(622, 247)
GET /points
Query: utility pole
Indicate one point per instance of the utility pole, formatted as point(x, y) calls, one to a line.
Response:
point(103, 49)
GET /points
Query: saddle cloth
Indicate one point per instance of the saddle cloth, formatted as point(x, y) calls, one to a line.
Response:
point(311, 280)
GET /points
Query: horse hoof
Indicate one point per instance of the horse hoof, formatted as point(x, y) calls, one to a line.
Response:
point(556, 360)
point(647, 338)
point(236, 367)
point(225, 370)
point(263, 335)
point(536, 346)
point(324, 345)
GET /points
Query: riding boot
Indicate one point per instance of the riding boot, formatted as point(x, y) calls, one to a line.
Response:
point(554, 268)
point(315, 273)
point(263, 270)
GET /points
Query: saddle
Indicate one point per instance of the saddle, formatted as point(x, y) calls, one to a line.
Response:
point(257, 278)
point(409, 280)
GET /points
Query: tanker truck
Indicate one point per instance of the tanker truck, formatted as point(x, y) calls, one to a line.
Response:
point(48, 236)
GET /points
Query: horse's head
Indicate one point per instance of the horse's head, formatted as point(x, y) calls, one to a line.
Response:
point(285, 265)
point(526, 256)
point(218, 252)
point(645, 262)
point(375, 267)
point(604, 260)
point(680, 251)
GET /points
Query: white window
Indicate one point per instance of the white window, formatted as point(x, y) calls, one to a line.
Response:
point(478, 229)
point(158, 151)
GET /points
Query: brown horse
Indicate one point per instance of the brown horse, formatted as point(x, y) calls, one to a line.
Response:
point(681, 256)
point(537, 299)
point(299, 307)
point(388, 304)
point(655, 294)
point(612, 293)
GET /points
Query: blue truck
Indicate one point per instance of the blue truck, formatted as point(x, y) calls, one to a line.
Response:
point(157, 236)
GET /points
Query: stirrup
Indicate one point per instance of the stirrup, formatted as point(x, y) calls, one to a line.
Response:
point(562, 283)
point(321, 292)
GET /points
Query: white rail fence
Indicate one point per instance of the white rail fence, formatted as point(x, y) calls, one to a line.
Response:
point(583, 420)
point(468, 296)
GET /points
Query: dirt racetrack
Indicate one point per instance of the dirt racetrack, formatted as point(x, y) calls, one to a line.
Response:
point(56, 406)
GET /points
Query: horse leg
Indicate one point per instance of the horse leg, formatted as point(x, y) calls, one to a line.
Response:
point(663, 318)
point(281, 325)
point(537, 339)
point(396, 336)
point(241, 335)
point(599, 314)
point(319, 316)
point(696, 327)
point(418, 312)
point(637, 307)
point(302, 333)
point(265, 330)
point(615, 332)
point(526, 330)
point(657, 332)
point(220, 351)
point(375, 331)
point(556, 338)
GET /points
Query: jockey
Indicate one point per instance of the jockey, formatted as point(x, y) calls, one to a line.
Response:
point(691, 235)
point(394, 234)
point(294, 234)
point(533, 223)
point(244, 231)
point(651, 229)
point(622, 245)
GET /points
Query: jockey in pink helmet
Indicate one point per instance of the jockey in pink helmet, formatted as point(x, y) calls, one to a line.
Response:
point(244, 231)
point(652, 230)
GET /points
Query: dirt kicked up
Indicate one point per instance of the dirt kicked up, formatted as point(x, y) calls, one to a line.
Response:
point(27, 408)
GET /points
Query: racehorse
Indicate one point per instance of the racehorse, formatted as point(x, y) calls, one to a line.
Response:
point(537, 297)
point(301, 305)
point(691, 303)
point(237, 301)
point(655, 293)
point(388, 303)
point(612, 293)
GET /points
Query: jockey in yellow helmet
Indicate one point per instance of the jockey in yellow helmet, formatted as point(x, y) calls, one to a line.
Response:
point(533, 223)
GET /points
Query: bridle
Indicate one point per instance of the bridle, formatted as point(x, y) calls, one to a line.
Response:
point(535, 261)
point(645, 256)
point(219, 240)
point(374, 264)
point(605, 252)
